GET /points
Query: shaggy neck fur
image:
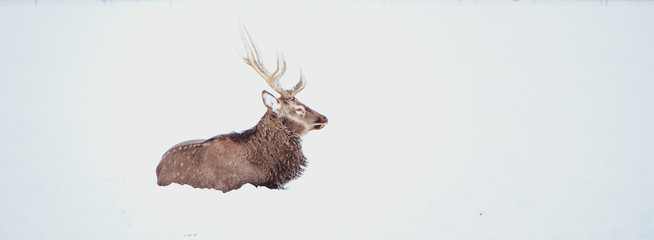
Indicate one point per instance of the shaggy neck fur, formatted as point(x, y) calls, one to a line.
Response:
point(275, 146)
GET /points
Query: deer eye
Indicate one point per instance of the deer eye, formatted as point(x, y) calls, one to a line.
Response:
point(299, 111)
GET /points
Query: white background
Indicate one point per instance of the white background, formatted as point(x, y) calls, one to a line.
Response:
point(448, 120)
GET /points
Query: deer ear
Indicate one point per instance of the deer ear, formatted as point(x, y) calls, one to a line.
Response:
point(270, 101)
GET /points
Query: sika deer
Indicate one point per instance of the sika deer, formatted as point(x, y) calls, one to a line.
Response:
point(269, 154)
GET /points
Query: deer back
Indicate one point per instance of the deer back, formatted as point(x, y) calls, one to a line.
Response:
point(216, 163)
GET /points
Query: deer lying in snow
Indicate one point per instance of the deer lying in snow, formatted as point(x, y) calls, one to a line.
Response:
point(269, 154)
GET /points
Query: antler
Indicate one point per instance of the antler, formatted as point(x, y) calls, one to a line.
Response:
point(254, 59)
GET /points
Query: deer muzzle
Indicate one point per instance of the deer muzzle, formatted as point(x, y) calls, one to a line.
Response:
point(320, 123)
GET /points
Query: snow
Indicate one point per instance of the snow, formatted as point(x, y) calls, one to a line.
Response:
point(448, 120)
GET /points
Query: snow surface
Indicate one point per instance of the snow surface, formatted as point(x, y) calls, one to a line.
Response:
point(449, 120)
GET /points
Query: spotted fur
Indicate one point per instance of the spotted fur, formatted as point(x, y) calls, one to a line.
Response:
point(269, 155)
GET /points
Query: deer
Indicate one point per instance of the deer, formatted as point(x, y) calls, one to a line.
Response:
point(268, 154)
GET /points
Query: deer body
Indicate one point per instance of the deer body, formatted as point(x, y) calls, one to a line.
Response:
point(269, 154)
point(265, 155)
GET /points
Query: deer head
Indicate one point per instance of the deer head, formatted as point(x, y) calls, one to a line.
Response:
point(296, 116)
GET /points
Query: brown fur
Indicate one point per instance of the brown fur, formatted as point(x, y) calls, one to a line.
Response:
point(269, 154)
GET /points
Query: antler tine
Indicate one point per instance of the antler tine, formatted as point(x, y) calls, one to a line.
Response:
point(281, 66)
point(255, 60)
point(248, 49)
point(300, 85)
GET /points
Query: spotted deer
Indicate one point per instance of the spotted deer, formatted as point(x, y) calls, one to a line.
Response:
point(269, 154)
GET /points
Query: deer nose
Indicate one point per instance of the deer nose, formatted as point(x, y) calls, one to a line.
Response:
point(320, 123)
point(322, 119)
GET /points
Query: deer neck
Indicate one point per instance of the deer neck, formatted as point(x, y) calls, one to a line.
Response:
point(271, 126)
point(277, 149)
point(270, 135)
